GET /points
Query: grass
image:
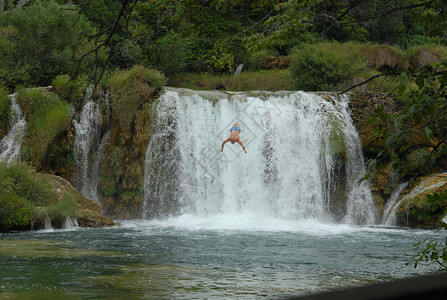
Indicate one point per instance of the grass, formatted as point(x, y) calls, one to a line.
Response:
point(47, 116)
point(130, 89)
point(71, 90)
point(269, 80)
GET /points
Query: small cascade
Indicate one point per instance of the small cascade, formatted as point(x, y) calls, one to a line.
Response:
point(11, 144)
point(391, 219)
point(70, 223)
point(47, 224)
point(89, 144)
point(238, 70)
point(389, 212)
point(302, 150)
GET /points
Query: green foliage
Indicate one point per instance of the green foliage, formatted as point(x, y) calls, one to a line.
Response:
point(325, 66)
point(169, 54)
point(130, 90)
point(257, 60)
point(39, 41)
point(68, 88)
point(422, 123)
point(221, 61)
point(19, 192)
point(5, 110)
point(426, 210)
point(26, 198)
point(290, 18)
point(15, 212)
point(430, 252)
point(47, 116)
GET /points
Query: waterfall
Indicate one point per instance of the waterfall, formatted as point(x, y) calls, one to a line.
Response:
point(11, 143)
point(302, 149)
point(88, 145)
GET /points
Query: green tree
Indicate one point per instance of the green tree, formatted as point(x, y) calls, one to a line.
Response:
point(40, 41)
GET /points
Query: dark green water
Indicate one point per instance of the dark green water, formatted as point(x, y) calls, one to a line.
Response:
point(202, 259)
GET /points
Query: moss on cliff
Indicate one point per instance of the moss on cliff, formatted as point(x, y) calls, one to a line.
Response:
point(122, 168)
point(47, 117)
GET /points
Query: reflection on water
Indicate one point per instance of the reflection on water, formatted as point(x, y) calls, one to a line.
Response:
point(188, 258)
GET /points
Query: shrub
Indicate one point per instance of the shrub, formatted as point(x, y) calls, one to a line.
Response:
point(423, 55)
point(257, 60)
point(269, 80)
point(18, 190)
point(384, 56)
point(15, 212)
point(130, 89)
point(169, 54)
point(325, 66)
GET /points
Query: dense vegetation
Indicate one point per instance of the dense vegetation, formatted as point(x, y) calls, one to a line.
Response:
point(45, 38)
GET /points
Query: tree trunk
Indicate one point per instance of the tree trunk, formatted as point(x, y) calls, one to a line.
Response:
point(21, 4)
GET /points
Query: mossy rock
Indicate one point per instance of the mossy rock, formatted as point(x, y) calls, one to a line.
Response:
point(28, 199)
point(419, 208)
point(87, 211)
point(122, 168)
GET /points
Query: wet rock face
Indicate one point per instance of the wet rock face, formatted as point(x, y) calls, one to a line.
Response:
point(417, 210)
point(122, 166)
point(364, 106)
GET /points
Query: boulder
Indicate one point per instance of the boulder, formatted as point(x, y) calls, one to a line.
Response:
point(87, 212)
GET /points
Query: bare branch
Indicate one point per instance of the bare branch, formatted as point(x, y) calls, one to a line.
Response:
point(389, 12)
point(388, 74)
point(369, 79)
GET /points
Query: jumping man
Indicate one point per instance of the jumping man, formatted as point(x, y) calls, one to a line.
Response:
point(234, 137)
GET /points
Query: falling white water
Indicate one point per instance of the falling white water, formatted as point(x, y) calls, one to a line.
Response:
point(289, 172)
point(389, 212)
point(88, 146)
point(47, 223)
point(11, 143)
point(70, 223)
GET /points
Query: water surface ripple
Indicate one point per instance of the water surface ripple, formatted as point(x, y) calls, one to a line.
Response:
point(186, 258)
